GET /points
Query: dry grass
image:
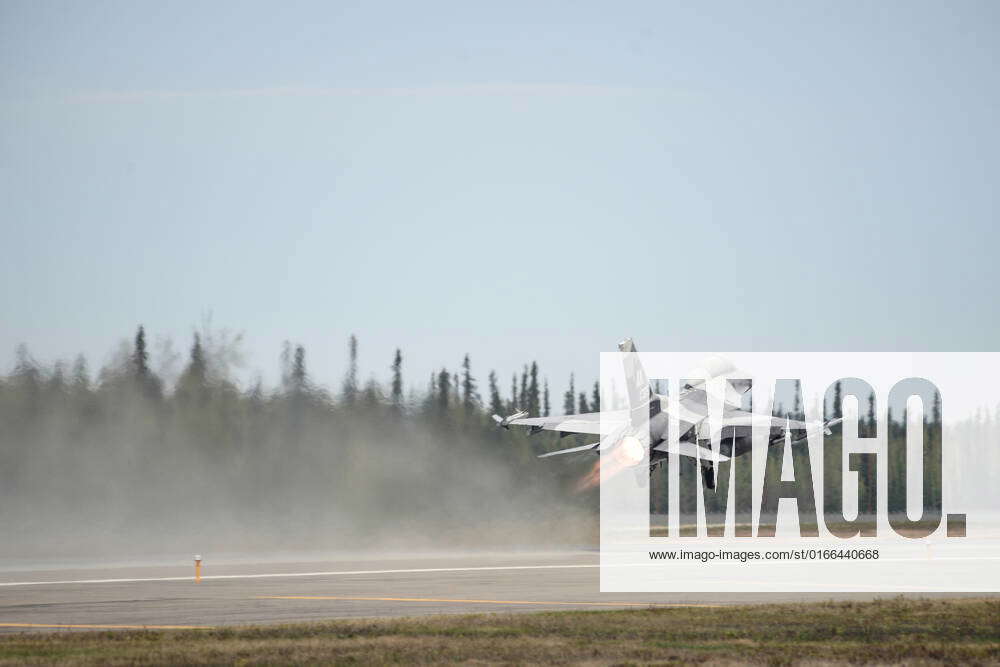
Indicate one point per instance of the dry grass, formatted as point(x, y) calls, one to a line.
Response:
point(887, 631)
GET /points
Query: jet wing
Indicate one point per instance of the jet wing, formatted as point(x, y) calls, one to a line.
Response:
point(737, 417)
point(588, 422)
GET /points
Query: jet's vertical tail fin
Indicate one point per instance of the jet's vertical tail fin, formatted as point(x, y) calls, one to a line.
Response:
point(635, 375)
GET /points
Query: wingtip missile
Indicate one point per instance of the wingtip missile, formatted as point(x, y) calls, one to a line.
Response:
point(504, 422)
point(832, 422)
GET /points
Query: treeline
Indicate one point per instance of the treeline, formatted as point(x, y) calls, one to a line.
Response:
point(128, 459)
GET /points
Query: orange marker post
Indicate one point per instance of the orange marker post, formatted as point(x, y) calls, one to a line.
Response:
point(197, 569)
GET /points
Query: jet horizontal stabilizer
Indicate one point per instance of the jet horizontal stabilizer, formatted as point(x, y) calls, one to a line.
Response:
point(571, 450)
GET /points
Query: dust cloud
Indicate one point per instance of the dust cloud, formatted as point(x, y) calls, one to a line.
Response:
point(128, 465)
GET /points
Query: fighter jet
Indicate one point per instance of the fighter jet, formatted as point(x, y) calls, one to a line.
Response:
point(733, 432)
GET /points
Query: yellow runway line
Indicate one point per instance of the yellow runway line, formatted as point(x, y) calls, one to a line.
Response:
point(538, 602)
point(86, 626)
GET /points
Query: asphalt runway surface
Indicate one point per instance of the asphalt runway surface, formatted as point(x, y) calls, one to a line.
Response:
point(242, 592)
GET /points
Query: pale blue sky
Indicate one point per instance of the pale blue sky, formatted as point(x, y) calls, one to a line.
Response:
point(515, 180)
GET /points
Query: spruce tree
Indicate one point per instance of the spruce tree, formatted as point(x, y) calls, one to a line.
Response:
point(299, 378)
point(583, 403)
point(285, 360)
point(534, 402)
point(197, 367)
point(397, 380)
point(81, 377)
point(871, 414)
point(27, 377)
point(351, 379)
point(140, 356)
point(371, 395)
point(191, 384)
point(496, 403)
point(57, 379)
point(569, 398)
point(837, 409)
point(525, 398)
point(546, 408)
point(867, 472)
point(470, 397)
point(595, 396)
point(148, 384)
point(443, 391)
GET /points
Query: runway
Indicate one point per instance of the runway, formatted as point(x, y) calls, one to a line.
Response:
point(238, 591)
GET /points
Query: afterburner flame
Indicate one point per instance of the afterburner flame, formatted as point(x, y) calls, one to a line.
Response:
point(628, 452)
point(591, 479)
